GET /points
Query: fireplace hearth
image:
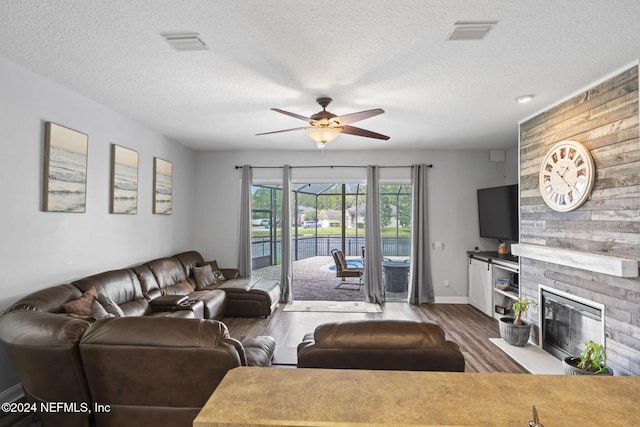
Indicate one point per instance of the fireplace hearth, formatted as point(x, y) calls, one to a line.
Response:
point(567, 321)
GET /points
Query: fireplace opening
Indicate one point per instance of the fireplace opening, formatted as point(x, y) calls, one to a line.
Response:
point(567, 322)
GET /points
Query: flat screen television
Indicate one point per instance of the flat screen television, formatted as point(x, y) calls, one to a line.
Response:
point(498, 212)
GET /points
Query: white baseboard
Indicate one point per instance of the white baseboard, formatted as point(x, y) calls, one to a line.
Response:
point(12, 394)
point(451, 300)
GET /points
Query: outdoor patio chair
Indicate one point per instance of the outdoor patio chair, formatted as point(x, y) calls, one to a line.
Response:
point(343, 270)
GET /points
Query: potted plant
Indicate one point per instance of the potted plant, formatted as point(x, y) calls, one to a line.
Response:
point(592, 361)
point(514, 330)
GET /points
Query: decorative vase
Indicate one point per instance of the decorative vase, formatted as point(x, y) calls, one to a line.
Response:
point(517, 335)
point(570, 364)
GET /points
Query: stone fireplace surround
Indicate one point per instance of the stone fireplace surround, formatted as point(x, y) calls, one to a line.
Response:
point(533, 357)
point(566, 278)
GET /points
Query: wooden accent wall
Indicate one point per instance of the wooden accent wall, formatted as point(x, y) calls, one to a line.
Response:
point(604, 119)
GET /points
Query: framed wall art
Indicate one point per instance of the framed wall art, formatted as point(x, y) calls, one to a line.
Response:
point(124, 180)
point(65, 169)
point(162, 186)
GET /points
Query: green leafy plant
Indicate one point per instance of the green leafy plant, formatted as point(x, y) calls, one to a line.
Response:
point(519, 308)
point(592, 358)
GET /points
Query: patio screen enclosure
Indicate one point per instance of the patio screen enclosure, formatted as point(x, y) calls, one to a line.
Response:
point(327, 216)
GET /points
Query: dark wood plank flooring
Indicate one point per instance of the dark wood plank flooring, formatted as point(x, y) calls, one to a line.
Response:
point(463, 324)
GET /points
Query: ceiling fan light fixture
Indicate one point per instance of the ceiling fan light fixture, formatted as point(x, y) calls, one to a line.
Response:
point(325, 126)
point(322, 134)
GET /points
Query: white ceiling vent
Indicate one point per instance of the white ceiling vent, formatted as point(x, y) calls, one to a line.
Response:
point(185, 41)
point(469, 30)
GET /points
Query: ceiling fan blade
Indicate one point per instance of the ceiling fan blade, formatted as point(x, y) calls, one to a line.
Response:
point(297, 116)
point(352, 130)
point(279, 131)
point(356, 117)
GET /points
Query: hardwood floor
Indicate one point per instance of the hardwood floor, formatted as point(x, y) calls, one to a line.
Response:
point(462, 323)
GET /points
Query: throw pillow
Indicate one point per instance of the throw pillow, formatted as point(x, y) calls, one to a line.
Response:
point(83, 305)
point(218, 277)
point(98, 311)
point(204, 276)
point(110, 306)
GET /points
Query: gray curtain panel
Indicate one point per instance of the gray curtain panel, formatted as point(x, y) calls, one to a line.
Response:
point(421, 284)
point(373, 287)
point(244, 256)
point(285, 224)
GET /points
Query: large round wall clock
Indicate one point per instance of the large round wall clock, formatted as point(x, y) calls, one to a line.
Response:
point(566, 176)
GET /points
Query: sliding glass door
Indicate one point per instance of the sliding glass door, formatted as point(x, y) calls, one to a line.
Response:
point(266, 210)
point(326, 217)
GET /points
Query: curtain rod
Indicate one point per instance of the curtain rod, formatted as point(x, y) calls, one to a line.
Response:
point(306, 167)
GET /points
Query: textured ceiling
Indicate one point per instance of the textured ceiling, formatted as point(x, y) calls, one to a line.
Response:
point(364, 54)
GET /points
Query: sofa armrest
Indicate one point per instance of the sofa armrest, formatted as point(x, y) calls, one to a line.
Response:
point(167, 302)
point(42, 329)
point(230, 273)
point(453, 346)
point(307, 341)
point(259, 350)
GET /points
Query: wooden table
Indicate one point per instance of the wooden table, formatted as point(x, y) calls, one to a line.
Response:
point(331, 397)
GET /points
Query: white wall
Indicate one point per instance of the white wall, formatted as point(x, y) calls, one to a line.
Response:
point(453, 181)
point(40, 249)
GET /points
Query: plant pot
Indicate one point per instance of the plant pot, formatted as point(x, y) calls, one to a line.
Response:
point(570, 367)
point(517, 335)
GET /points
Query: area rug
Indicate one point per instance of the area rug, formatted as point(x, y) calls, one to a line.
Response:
point(333, 306)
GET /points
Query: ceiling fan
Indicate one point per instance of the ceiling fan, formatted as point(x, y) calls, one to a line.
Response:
point(324, 126)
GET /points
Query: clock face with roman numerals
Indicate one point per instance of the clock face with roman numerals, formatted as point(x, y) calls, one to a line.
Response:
point(566, 176)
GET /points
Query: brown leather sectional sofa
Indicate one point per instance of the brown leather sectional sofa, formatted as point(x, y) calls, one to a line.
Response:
point(380, 344)
point(155, 362)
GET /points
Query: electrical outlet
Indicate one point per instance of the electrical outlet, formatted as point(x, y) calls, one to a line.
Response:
point(446, 283)
point(437, 245)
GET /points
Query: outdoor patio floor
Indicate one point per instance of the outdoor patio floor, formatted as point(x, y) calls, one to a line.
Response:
point(314, 281)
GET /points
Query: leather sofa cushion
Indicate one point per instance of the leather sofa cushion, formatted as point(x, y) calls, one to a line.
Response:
point(241, 284)
point(168, 300)
point(214, 302)
point(383, 335)
point(251, 296)
point(167, 271)
point(168, 276)
point(189, 260)
point(120, 286)
point(380, 344)
point(181, 288)
point(141, 365)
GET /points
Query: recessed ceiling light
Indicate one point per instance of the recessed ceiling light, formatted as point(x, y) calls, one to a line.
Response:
point(471, 30)
point(524, 98)
point(185, 41)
